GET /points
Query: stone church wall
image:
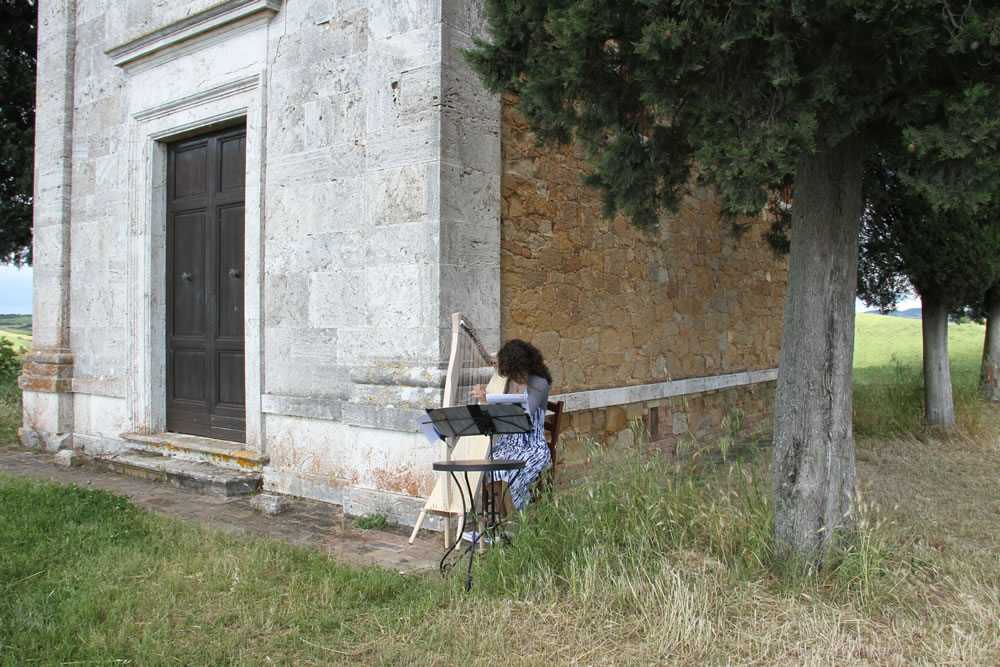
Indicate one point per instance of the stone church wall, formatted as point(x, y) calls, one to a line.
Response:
point(377, 179)
point(611, 308)
point(372, 214)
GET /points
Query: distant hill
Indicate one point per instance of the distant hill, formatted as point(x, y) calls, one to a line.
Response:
point(16, 323)
point(912, 313)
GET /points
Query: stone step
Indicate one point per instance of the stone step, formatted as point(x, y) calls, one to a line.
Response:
point(198, 476)
point(221, 453)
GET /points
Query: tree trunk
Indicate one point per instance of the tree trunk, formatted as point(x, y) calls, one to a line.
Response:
point(989, 370)
point(939, 408)
point(814, 469)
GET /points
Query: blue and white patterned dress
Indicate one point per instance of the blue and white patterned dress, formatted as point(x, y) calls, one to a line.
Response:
point(528, 447)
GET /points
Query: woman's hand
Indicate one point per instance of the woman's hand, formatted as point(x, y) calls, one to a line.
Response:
point(478, 393)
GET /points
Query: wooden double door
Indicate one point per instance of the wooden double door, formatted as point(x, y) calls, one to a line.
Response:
point(206, 177)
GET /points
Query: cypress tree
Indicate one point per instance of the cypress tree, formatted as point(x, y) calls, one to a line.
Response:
point(951, 258)
point(17, 128)
point(755, 94)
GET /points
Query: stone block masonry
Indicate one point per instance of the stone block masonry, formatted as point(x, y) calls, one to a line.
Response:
point(383, 190)
point(611, 307)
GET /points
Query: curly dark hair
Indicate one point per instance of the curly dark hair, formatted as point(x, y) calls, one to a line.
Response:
point(518, 360)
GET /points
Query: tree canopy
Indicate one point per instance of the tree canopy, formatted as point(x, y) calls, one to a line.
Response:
point(755, 94)
point(950, 257)
point(17, 128)
point(744, 88)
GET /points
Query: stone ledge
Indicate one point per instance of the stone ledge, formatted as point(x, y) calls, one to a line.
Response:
point(301, 406)
point(383, 416)
point(48, 385)
point(200, 477)
point(197, 449)
point(602, 398)
point(49, 371)
point(423, 377)
point(54, 356)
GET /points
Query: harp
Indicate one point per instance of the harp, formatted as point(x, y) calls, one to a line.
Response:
point(469, 364)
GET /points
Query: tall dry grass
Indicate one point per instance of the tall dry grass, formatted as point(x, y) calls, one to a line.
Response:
point(920, 585)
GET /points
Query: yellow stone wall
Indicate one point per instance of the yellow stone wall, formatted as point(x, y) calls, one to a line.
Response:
point(610, 307)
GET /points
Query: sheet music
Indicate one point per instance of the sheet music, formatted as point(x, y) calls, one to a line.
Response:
point(519, 399)
point(430, 431)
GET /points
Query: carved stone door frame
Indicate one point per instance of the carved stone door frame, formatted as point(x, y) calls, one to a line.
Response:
point(234, 102)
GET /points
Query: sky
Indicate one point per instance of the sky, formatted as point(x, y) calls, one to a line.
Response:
point(15, 290)
point(905, 304)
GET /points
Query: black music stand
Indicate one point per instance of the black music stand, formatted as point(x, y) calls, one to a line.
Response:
point(490, 420)
point(493, 419)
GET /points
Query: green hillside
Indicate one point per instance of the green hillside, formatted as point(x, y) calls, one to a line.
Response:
point(16, 328)
point(888, 375)
point(881, 340)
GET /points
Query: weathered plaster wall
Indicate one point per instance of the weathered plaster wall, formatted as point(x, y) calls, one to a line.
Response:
point(373, 197)
point(610, 307)
point(382, 210)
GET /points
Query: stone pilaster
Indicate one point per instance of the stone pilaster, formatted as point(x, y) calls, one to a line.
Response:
point(47, 375)
point(46, 380)
point(470, 171)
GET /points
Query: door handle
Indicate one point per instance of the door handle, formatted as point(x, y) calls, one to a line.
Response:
point(233, 273)
point(186, 277)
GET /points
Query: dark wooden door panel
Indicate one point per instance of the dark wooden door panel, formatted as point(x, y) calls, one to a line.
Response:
point(231, 379)
point(190, 373)
point(189, 280)
point(191, 169)
point(230, 272)
point(205, 249)
point(232, 165)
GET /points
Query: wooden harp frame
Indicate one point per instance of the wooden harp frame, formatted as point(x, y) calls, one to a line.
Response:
point(469, 363)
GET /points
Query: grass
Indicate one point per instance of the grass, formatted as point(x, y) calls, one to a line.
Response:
point(10, 410)
point(888, 380)
point(653, 561)
point(20, 340)
point(16, 328)
point(373, 521)
point(646, 565)
point(89, 577)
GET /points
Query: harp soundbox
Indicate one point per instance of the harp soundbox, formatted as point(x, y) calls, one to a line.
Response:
point(469, 364)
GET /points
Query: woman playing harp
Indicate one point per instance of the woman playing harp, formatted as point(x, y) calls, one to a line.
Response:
point(523, 366)
point(469, 365)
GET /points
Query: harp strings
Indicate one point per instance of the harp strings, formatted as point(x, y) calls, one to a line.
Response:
point(476, 363)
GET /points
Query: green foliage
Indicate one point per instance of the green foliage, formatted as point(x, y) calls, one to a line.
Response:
point(10, 361)
point(10, 410)
point(373, 521)
point(17, 125)
point(744, 89)
point(949, 256)
point(10, 393)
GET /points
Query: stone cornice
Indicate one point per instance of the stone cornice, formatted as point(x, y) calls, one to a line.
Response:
point(222, 91)
point(218, 18)
point(602, 398)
